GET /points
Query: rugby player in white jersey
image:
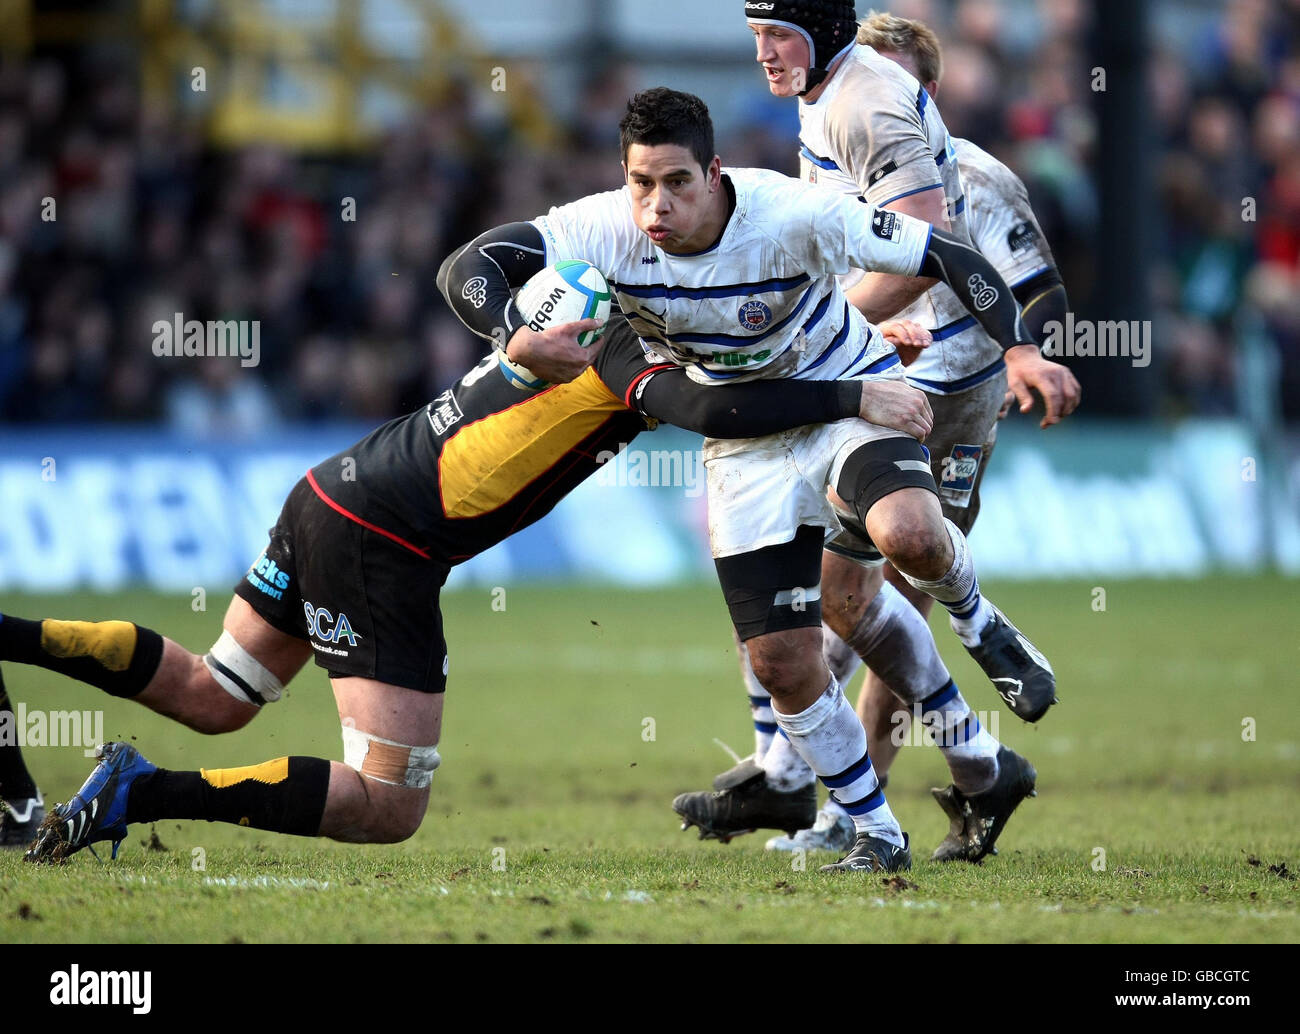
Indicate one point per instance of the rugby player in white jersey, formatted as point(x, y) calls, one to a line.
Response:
point(869, 131)
point(1003, 226)
point(733, 275)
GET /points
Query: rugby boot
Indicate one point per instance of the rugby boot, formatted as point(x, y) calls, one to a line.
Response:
point(97, 811)
point(20, 820)
point(1019, 672)
point(746, 803)
point(976, 821)
point(871, 854)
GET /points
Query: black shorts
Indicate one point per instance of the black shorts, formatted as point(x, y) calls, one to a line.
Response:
point(367, 604)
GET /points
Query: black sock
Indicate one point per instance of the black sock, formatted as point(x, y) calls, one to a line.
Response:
point(15, 781)
point(116, 656)
point(286, 795)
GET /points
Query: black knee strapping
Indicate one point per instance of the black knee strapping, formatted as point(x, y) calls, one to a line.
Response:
point(881, 467)
point(776, 588)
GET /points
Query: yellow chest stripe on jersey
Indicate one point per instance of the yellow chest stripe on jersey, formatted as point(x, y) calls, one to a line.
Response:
point(489, 462)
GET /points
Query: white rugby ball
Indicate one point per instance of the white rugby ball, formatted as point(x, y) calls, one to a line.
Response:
point(563, 293)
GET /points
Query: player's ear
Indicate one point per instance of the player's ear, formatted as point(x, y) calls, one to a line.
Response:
point(932, 88)
point(714, 175)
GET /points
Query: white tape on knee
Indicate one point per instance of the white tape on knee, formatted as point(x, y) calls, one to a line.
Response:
point(241, 674)
point(387, 761)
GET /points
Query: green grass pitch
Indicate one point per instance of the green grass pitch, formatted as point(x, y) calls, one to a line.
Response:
point(550, 817)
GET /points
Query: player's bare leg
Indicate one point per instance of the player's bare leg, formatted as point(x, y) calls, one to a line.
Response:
point(377, 795)
point(136, 663)
point(760, 702)
point(908, 527)
point(381, 792)
point(773, 596)
point(186, 685)
point(868, 620)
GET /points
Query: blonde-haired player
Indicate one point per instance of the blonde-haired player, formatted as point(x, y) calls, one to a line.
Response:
point(870, 129)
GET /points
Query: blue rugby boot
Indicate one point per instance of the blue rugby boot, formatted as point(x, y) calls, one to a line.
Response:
point(97, 812)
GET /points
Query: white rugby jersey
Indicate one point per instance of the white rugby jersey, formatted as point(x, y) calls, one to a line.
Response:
point(1003, 227)
point(875, 133)
point(764, 300)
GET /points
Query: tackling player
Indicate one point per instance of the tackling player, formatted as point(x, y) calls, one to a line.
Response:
point(22, 809)
point(869, 131)
point(352, 575)
point(733, 276)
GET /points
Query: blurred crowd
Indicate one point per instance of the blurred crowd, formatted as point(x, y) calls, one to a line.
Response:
point(148, 220)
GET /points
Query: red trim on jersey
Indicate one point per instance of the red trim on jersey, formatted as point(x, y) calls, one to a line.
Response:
point(311, 480)
point(631, 388)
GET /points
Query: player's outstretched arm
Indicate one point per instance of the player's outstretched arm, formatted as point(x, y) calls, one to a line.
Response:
point(477, 281)
point(751, 409)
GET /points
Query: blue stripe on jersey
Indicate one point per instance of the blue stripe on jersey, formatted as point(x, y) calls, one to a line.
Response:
point(839, 338)
point(909, 193)
point(962, 383)
point(788, 283)
point(767, 727)
point(960, 206)
point(922, 99)
point(821, 163)
point(953, 328)
point(813, 320)
point(652, 337)
point(879, 366)
point(735, 340)
point(866, 347)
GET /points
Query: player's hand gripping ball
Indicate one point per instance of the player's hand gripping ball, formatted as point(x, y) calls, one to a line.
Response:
point(562, 293)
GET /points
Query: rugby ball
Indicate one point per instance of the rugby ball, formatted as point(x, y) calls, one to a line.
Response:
point(562, 293)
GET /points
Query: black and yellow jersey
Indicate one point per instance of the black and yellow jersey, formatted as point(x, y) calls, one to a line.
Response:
point(484, 460)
